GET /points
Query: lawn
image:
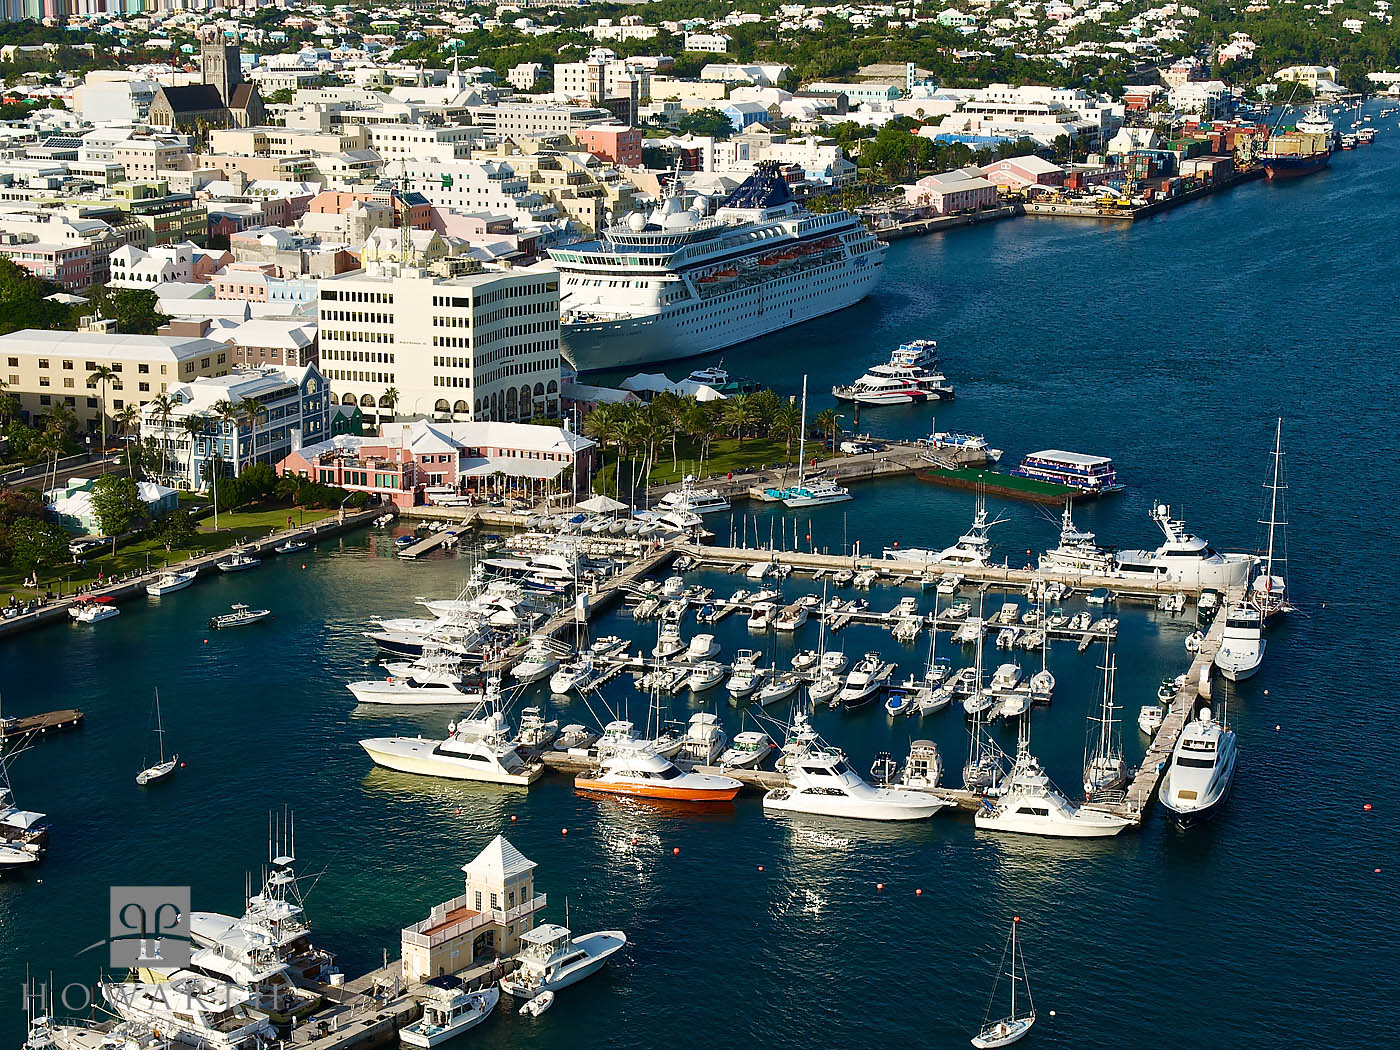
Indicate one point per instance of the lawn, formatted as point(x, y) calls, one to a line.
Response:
point(727, 455)
point(234, 527)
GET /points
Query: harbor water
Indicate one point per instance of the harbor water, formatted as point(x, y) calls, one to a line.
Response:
point(1170, 345)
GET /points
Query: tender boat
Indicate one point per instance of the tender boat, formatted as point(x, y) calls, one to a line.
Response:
point(238, 562)
point(93, 610)
point(647, 775)
point(170, 583)
point(822, 782)
point(290, 547)
point(1201, 771)
point(241, 616)
point(448, 1011)
point(538, 1005)
point(551, 959)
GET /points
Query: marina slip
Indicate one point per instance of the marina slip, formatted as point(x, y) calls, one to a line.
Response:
point(1045, 763)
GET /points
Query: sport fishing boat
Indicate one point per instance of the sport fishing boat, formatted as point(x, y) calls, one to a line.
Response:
point(911, 376)
point(420, 688)
point(239, 616)
point(692, 500)
point(676, 284)
point(1201, 771)
point(1077, 550)
point(449, 1009)
point(170, 583)
point(551, 959)
point(646, 775)
point(1184, 558)
point(191, 1009)
point(1030, 805)
point(973, 549)
point(870, 674)
point(748, 750)
point(822, 782)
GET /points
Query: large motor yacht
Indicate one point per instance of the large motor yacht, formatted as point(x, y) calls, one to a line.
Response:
point(1242, 643)
point(1184, 558)
point(191, 1009)
point(911, 375)
point(676, 284)
point(646, 775)
point(1031, 805)
point(822, 782)
point(692, 500)
point(1201, 771)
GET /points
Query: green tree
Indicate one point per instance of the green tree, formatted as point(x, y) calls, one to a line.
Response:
point(34, 543)
point(708, 121)
point(103, 376)
point(23, 303)
point(176, 529)
point(117, 503)
point(134, 309)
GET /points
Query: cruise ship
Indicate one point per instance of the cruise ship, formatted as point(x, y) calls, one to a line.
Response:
point(678, 284)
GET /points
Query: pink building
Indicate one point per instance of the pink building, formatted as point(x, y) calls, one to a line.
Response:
point(616, 145)
point(243, 281)
point(359, 465)
point(951, 192)
point(1020, 172)
point(70, 265)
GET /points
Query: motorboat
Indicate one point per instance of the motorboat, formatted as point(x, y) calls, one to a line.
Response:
point(843, 577)
point(291, 546)
point(1015, 1026)
point(536, 733)
point(1030, 805)
point(668, 642)
point(948, 584)
point(822, 782)
point(449, 1009)
point(747, 751)
point(704, 740)
point(538, 1005)
point(805, 660)
point(1184, 559)
point(779, 686)
point(1150, 718)
point(791, 617)
point(239, 615)
point(647, 775)
point(1242, 643)
point(574, 737)
point(761, 616)
point(239, 561)
point(705, 675)
point(476, 748)
point(538, 661)
point(825, 686)
point(577, 674)
point(171, 582)
point(418, 688)
point(746, 675)
point(1077, 551)
point(868, 677)
point(191, 1009)
point(88, 609)
point(693, 500)
point(923, 769)
point(551, 959)
point(1201, 770)
point(972, 550)
point(701, 647)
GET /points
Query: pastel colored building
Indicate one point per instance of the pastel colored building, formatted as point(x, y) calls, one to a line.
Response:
point(613, 143)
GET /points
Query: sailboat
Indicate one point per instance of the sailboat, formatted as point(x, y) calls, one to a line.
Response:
point(1042, 682)
point(984, 770)
point(1269, 591)
point(165, 766)
point(1104, 767)
point(818, 492)
point(1012, 1027)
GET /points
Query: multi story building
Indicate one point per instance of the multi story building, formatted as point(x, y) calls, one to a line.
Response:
point(613, 142)
point(483, 345)
point(43, 368)
point(292, 407)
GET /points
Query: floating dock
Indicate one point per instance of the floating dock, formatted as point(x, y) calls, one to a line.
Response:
point(49, 721)
point(1009, 486)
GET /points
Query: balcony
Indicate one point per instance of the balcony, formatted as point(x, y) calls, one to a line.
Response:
point(455, 919)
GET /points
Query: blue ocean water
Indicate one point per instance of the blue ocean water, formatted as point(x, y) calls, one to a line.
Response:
point(1171, 346)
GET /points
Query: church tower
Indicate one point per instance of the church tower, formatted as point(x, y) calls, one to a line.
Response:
point(221, 66)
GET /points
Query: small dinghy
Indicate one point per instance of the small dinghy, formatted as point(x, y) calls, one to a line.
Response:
point(290, 547)
point(538, 1005)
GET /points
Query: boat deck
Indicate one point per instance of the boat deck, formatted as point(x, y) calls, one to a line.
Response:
point(39, 724)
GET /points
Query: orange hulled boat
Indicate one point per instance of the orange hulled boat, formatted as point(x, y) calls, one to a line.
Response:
point(646, 775)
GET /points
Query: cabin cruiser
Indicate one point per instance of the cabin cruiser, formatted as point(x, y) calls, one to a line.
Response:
point(191, 1009)
point(973, 549)
point(551, 959)
point(691, 500)
point(1242, 643)
point(170, 582)
point(578, 674)
point(1201, 771)
point(868, 677)
point(1030, 805)
point(538, 661)
point(924, 767)
point(1184, 558)
point(822, 782)
point(1077, 551)
point(47, 1034)
point(419, 688)
point(780, 686)
point(791, 617)
point(701, 647)
point(476, 748)
point(704, 739)
point(647, 775)
point(449, 1009)
point(668, 643)
point(704, 675)
point(912, 375)
point(748, 751)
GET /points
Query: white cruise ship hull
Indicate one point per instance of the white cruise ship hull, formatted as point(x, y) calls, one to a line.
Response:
point(720, 322)
point(412, 755)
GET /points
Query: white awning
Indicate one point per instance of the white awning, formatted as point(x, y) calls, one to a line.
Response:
point(539, 469)
point(601, 505)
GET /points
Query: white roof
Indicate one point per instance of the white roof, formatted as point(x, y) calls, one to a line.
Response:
point(499, 860)
point(290, 335)
point(529, 437)
point(1077, 459)
point(106, 346)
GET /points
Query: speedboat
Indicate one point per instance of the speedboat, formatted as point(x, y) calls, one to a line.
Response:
point(551, 959)
point(290, 547)
point(170, 583)
point(93, 610)
point(1031, 805)
point(822, 782)
point(1184, 559)
point(240, 616)
point(647, 775)
point(1242, 643)
point(449, 1010)
point(1201, 771)
point(238, 562)
point(748, 751)
point(868, 677)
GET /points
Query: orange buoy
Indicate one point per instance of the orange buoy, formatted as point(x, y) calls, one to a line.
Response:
point(879, 887)
point(1367, 807)
point(564, 831)
point(513, 818)
point(918, 893)
point(760, 867)
point(634, 840)
point(206, 641)
point(676, 852)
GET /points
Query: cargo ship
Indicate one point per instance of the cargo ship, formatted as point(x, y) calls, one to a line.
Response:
point(1302, 150)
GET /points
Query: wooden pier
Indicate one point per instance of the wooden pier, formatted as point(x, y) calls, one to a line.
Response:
point(37, 725)
point(430, 542)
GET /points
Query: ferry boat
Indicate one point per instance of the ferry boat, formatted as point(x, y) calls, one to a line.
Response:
point(911, 375)
point(677, 284)
point(955, 441)
point(1091, 474)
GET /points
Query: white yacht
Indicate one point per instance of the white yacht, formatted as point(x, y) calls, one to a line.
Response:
point(1077, 550)
point(239, 561)
point(692, 500)
point(578, 674)
point(1242, 644)
point(668, 642)
point(822, 782)
point(449, 1010)
point(704, 675)
point(476, 748)
point(779, 686)
point(419, 688)
point(701, 647)
point(870, 674)
point(1201, 771)
point(1184, 558)
point(973, 549)
point(191, 1009)
point(551, 959)
point(924, 767)
point(535, 731)
point(748, 751)
point(692, 284)
point(816, 493)
point(1030, 805)
point(704, 740)
point(791, 617)
point(93, 610)
point(746, 675)
point(170, 582)
point(538, 661)
point(912, 375)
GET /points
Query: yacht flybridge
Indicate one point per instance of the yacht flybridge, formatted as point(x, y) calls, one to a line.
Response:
point(1077, 550)
point(676, 283)
point(973, 549)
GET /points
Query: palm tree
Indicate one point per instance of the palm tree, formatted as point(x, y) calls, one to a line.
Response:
point(101, 376)
point(128, 419)
point(763, 408)
point(193, 427)
point(787, 423)
point(827, 424)
point(736, 415)
point(697, 420)
point(163, 407)
point(666, 411)
point(58, 428)
point(249, 412)
point(391, 398)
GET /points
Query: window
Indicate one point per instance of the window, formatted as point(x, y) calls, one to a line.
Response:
point(43, 362)
point(144, 369)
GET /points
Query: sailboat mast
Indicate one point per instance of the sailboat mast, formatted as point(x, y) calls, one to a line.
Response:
point(1273, 500)
point(1015, 920)
point(802, 435)
point(160, 728)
